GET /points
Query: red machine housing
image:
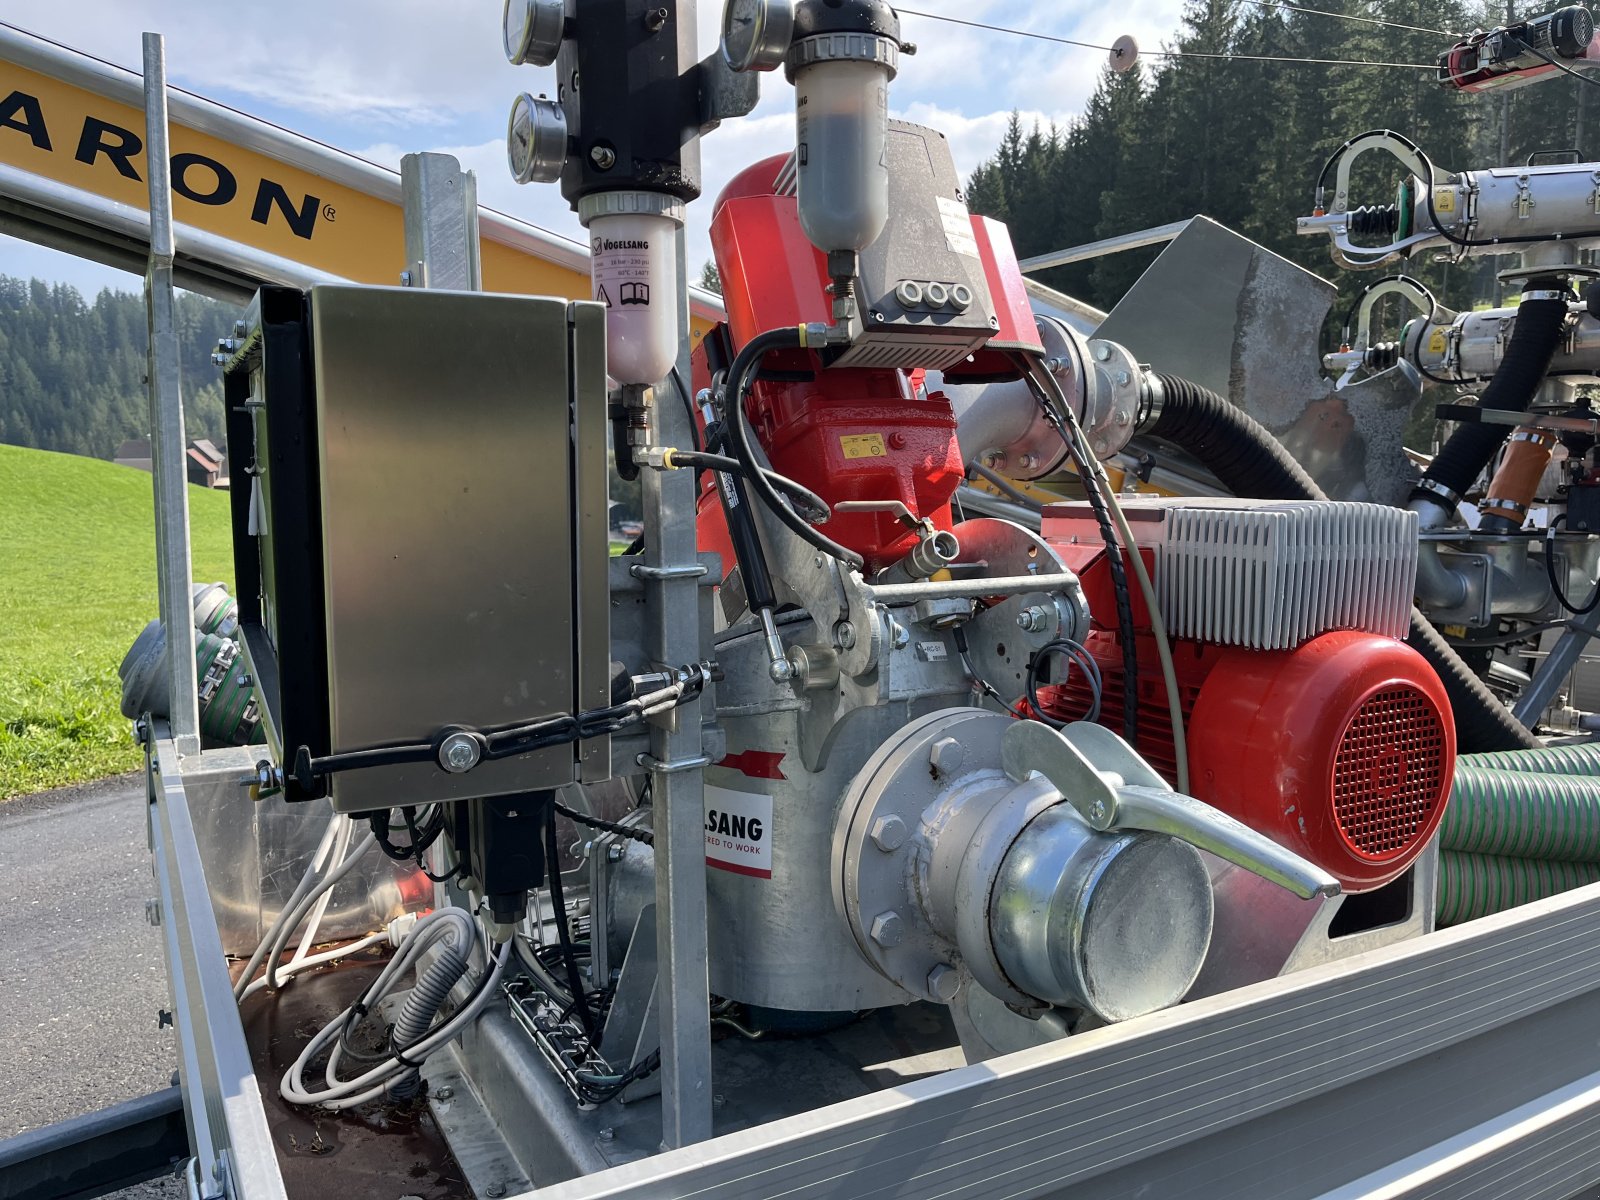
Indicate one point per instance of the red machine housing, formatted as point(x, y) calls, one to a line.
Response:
point(847, 434)
point(1341, 749)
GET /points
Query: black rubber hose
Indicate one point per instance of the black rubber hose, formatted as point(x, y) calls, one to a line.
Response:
point(741, 377)
point(1250, 462)
point(1231, 444)
point(1534, 339)
point(569, 952)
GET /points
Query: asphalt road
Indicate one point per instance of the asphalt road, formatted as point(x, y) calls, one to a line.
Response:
point(82, 976)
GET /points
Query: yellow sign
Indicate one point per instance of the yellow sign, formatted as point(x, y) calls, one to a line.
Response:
point(863, 445)
point(1444, 200)
point(1437, 342)
point(83, 140)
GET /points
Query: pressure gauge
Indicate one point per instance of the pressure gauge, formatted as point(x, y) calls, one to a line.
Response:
point(533, 29)
point(536, 140)
point(756, 33)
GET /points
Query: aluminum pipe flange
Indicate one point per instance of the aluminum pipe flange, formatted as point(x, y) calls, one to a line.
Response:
point(949, 871)
point(1101, 381)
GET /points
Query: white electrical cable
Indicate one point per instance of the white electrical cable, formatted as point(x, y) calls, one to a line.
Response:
point(300, 964)
point(319, 860)
point(324, 887)
point(452, 923)
point(1158, 627)
point(340, 849)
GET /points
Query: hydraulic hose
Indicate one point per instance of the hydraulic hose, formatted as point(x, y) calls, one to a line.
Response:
point(741, 377)
point(1534, 339)
point(1250, 462)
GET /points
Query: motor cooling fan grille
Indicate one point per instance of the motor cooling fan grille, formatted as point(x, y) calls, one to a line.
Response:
point(1388, 776)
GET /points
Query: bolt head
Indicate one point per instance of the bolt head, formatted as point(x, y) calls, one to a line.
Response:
point(460, 753)
point(944, 981)
point(1028, 461)
point(845, 635)
point(1097, 810)
point(603, 157)
point(889, 833)
point(614, 852)
point(887, 929)
point(495, 1191)
point(946, 756)
point(900, 635)
point(1102, 352)
point(444, 1093)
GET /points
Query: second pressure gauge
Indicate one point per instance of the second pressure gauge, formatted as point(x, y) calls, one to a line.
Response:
point(532, 30)
point(756, 33)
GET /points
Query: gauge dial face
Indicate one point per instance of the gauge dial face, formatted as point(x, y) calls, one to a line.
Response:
point(516, 18)
point(756, 33)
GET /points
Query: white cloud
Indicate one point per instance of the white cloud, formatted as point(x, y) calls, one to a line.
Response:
point(399, 75)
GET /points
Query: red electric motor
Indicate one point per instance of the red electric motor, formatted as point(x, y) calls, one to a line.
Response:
point(1340, 746)
point(855, 424)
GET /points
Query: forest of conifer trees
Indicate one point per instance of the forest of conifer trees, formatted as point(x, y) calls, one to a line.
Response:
point(1242, 141)
point(72, 371)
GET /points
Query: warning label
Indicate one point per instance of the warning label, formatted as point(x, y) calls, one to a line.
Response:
point(739, 831)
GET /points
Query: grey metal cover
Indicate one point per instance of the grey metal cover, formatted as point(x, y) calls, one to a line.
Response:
point(463, 494)
point(1233, 316)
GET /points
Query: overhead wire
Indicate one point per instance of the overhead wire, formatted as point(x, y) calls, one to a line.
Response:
point(1318, 12)
point(1064, 41)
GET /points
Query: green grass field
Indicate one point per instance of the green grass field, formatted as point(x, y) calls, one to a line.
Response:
point(77, 583)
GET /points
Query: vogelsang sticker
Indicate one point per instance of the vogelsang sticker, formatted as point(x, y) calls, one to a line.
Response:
point(739, 831)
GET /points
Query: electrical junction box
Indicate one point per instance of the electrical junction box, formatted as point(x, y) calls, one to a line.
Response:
point(420, 530)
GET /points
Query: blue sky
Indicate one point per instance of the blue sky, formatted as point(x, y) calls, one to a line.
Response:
point(385, 77)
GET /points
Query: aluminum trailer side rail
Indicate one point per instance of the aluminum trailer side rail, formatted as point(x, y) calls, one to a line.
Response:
point(1465, 1063)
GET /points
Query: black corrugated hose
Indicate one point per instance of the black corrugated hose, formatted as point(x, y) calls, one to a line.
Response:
point(1250, 462)
point(1534, 339)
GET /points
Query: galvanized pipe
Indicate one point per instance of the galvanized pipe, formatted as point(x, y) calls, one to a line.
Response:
point(959, 589)
point(167, 439)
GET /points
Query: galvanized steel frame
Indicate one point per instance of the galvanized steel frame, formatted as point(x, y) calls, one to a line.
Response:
point(228, 1132)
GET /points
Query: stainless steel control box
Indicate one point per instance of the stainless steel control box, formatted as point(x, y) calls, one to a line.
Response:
point(455, 528)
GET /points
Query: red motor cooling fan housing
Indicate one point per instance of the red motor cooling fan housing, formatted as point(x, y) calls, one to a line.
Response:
point(1341, 749)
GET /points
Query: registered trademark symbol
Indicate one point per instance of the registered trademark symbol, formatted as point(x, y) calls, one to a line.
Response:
point(327, 212)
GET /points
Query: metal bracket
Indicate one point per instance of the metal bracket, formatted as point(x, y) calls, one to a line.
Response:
point(650, 763)
point(686, 571)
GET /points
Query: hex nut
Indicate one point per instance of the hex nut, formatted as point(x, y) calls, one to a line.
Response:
point(946, 756)
point(944, 982)
point(887, 929)
point(888, 834)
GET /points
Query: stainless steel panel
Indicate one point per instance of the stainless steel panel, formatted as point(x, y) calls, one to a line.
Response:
point(1232, 316)
point(449, 540)
point(255, 852)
